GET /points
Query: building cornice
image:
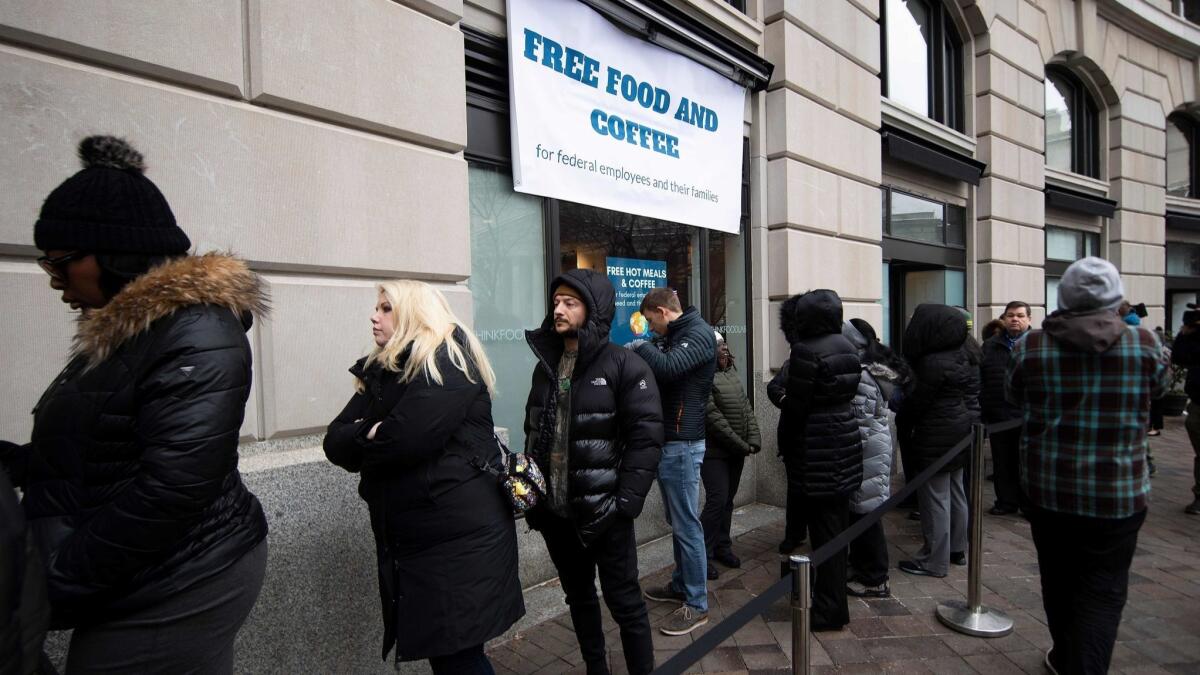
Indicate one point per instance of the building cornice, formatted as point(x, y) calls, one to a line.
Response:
point(1153, 24)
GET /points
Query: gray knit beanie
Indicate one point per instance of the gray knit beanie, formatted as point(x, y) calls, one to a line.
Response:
point(1088, 284)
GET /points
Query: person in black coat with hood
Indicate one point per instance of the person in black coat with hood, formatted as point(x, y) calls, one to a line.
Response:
point(594, 426)
point(823, 451)
point(152, 543)
point(418, 429)
point(932, 419)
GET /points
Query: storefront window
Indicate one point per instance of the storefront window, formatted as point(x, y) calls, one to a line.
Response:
point(924, 220)
point(727, 296)
point(1183, 260)
point(508, 285)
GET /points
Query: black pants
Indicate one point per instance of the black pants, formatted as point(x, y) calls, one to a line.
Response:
point(470, 661)
point(614, 555)
point(827, 518)
point(1084, 566)
point(869, 554)
point(1156, 413)
point(795, 518)
point(1006, 466)
point(721, 476)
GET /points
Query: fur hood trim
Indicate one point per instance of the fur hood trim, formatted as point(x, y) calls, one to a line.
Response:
point(209, 279)
point(882, 372)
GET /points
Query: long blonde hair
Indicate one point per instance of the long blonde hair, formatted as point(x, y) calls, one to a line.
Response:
point(423, 320)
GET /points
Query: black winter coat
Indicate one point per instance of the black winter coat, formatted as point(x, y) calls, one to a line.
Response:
point(943, 405)
point(616, 432)
point(684, 369)
point(24, 611)
point(992, 400)
point(732, 428)
point(1185, 353)
point(131, 479)
point(445, 541)
point(823, 374)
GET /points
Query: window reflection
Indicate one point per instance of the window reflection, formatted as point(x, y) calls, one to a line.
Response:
point(913, 218)
point(1058, 128)
point(908, 25)
point(1179, 161)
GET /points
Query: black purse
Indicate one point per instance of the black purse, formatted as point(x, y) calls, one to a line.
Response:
point(520, 480)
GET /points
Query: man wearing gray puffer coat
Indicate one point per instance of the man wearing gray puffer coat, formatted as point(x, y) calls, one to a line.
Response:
point(882, 371)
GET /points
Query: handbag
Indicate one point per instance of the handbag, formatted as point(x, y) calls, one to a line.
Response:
point(520, 480)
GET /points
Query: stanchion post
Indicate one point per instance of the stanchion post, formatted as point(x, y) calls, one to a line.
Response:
point(972, 617)
point(801, 599)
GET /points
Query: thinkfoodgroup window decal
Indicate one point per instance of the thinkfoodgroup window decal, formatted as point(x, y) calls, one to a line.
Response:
point(603, 118)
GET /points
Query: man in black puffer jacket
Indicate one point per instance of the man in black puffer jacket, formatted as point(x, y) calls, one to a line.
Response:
point(997, 351)
point(593, 424)
point(684, 368)
point(823, 452)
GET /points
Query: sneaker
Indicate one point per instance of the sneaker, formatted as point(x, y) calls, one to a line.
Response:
point(861, 590)
point(958, 558)
point(683, 621)
point(713, 572)
point(665, 593)
point(1193, 509)
point(728, 559)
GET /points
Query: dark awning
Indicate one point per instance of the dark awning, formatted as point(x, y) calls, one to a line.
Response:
point(675, 30)
point(1183, 221)
point(906, 148)
point(1079, 202)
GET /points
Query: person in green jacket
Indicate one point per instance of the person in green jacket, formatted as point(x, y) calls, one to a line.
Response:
point(731, 433)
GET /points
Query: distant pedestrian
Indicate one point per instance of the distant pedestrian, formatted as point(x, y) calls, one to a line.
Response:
point(593, 423)
point(731, 434)
point(1084, 385)
point(997, 351)
point(993, 327)
point(824, 446)
point(882, 371)
point(155, 549)
point(415, 429)
point(684, 368)
point(934, 417)
point(1185, 353)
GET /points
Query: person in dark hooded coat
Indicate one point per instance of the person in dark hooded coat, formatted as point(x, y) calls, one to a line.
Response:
point(594, 426)
point(933, 418)
point(824, 446)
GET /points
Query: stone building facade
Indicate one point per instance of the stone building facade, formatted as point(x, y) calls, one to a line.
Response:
point(901, 151)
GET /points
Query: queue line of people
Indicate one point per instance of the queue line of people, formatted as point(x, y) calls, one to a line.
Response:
point(150, 542)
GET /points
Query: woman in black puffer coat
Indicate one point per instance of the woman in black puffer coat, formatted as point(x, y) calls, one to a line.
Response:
point(823, 450)
point(153, 545)
point(933, 418)
point(418, 429)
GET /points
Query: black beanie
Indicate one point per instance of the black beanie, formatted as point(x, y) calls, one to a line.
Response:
point(109, 207)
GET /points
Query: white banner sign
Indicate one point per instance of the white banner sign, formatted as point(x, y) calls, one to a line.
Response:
point(603, 118)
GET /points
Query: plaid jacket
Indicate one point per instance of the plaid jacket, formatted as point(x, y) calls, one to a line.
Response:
point(1083, 443)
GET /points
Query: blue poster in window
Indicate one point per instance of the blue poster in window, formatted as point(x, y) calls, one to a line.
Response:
point(632, 279)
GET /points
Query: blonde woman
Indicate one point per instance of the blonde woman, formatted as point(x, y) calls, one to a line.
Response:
point(444, 536)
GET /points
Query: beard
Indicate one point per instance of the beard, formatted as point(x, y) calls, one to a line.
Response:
point(572, 333)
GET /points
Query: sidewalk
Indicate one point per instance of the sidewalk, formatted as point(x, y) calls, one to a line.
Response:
point(1160, 630)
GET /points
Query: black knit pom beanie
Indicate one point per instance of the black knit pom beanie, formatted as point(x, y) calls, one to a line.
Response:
point(110, 206)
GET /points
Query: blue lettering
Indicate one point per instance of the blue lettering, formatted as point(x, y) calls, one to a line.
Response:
point(531, 42)
point(633, 133)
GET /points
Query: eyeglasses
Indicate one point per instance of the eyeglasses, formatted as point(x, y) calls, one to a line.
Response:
point(55, 267)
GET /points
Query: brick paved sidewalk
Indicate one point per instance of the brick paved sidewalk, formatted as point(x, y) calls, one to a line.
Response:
point(1160, 629)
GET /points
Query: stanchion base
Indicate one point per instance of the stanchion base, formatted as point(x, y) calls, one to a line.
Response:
point(984, 623)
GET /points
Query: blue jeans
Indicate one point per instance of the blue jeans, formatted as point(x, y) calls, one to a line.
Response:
point(679, 482)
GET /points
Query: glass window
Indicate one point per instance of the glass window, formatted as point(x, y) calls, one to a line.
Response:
point(1070, 245)
point(1058, 128)
point(925, 220)
point(727, 295)
point(1181, 157)
point(908, 54)
point(1183, 260)
point(1188, 9)
point(508, 285)
point(923, 59)
point(1051, 295)
point(1072, 124)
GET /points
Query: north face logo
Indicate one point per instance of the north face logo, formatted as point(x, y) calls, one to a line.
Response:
point(641, 384)
point(600, 382)
point(683, 344)
point(187, 370)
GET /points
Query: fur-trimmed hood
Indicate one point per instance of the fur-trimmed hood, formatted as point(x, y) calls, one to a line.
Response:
point(210, 279)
